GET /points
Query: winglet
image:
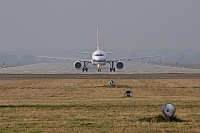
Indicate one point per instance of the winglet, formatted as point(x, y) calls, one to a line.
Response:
point(97, 39)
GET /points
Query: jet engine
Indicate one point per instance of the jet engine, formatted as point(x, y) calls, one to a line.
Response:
point(119, 65)
point(77, 64)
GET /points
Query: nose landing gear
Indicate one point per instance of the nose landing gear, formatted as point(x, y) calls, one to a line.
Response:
point(99, 68)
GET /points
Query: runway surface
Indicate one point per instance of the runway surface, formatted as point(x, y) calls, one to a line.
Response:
point(68, 68)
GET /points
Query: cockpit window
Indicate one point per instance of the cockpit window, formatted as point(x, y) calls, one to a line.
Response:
point(96, 55)
point(99, 55)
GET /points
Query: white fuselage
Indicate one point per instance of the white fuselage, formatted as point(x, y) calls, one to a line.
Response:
point(99, 58)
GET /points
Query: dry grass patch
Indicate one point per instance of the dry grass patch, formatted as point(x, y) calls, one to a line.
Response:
point(91, 105)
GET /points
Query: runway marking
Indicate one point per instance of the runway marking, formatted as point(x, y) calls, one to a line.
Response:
point(39, 71)
point(65, 71)
point(26, 71)
point(52, 71)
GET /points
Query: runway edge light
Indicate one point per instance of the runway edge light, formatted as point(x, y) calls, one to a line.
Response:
point(168, 110)
point(112, 83)
point(128, 94)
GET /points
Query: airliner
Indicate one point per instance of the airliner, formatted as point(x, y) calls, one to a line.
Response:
point(99, 59)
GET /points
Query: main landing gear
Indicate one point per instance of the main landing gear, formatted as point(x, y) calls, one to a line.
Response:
point(99, 69)
point(85, 66)
point(112, 68)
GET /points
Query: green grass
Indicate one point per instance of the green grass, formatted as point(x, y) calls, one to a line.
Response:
point(161, 118)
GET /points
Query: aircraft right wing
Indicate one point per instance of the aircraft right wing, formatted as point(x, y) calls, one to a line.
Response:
point(61, 58)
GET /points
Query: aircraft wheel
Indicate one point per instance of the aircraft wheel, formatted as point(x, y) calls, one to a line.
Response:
point(112, 69)
point(85, 69)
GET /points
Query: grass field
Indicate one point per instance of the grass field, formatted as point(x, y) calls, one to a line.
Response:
point(91, 105)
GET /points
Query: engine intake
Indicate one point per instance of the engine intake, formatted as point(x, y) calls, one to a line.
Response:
point(119, 65)
point(77, 64)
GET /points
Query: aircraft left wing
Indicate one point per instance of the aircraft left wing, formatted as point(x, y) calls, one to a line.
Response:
point(120, 64)
point(133, 58)
point(144, 57)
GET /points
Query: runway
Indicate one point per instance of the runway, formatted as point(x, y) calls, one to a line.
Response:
point(68, 68)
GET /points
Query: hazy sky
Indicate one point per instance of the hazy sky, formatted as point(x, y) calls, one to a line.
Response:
point(123, 24)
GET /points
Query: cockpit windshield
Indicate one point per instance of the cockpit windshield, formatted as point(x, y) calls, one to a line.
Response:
point(99, 55)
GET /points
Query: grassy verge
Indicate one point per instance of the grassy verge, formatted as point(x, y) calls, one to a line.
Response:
point(91, 105)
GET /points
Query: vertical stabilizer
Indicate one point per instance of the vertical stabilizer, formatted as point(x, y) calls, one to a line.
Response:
point(97, 39)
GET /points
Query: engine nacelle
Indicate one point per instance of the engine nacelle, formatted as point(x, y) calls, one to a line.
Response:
point(77, 64)
point(119, 65)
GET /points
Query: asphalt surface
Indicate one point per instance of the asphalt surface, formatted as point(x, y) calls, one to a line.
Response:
point(68, 68)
